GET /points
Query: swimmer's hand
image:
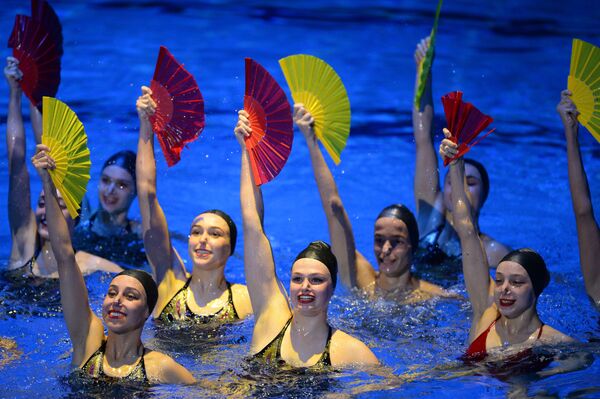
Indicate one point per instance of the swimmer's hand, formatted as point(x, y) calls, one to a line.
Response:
point(448, 148)
point(42, 161)
point(568, 112)
point(305, 121)
point(421, 50)
point(145, 105)
point(242, 128)
point(12, 73)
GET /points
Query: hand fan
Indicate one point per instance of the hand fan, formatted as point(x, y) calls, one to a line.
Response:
point(179, 116)
point(42, 12)
point(270, 143)
point(465, 122)
point(316, 85)
point(39, 58)
point(424, 67)
point(584, 83)
point(65, 136)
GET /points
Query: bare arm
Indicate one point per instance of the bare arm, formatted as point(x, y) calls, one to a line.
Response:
point(36, 122)
point(268, 297)
point(340, 229)
point(588, 232)
point(85, 329)
point(426, 184)
point(155, 231)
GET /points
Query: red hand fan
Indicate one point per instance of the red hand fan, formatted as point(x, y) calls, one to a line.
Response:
point(270, 143)
point(42, 12)
point(179, 116)
point(465, 122)
point(39, 58)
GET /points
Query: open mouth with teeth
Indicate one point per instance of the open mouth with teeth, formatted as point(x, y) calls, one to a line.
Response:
point(115, 314)
point(202, 253)
point(305, 298)
point(506, 302)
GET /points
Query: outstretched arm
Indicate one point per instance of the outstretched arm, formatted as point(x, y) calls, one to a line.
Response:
point(36, 122)
point(268, 297)
point(20, 215)
point(426, 185)
point(155, 231)
point(85, 329)
point(474, 259)
point(588, 232)
point(340, 229)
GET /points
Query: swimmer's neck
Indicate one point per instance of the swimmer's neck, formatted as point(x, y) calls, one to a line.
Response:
point(113, 219)
point(207, 284)
point(45, 263)
point(309, 327)
point(122, 349)
point(518, 329)
point(388, 283)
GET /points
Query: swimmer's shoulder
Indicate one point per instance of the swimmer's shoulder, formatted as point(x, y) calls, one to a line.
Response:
point(241, 300)
point(346, 350)
point(434, 289)
point(494, 249)
point(161, 368)
point(550, 335)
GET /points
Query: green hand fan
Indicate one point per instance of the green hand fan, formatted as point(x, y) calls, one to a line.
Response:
point(584, 83)
point(316, 85)
point(424, 67)
point(66, 138)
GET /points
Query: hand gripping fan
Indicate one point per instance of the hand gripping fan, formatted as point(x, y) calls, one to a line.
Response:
point(316, 85)
point(424, 67)
point(465, 122)
point(39, 58)
point(584, 83)
point(42, 12)
point(270, 143)
point(179, 116)
point(66, 138)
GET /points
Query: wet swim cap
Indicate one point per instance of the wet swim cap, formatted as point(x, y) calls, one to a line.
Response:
point(147, 282)
point(321, 251)
point(404, 214)
point(230, 223)
point(124, 159)
point(485, 179)
point(535, 266)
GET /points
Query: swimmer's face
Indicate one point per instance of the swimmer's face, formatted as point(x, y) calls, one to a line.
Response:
point(311, 287)
point(474, 188)
point(513, 292)
point(392, 245)
point(209, 244)
point(116, 189)
point(125, 305)
point(40, 215)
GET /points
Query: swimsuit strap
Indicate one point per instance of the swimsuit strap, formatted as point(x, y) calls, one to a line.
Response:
point(540, 333)
point(230, 300)
point(139, 368)
point(325, 359)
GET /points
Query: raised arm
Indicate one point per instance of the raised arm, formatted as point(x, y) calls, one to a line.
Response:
point(268, 297)
point(85, 329)
point(20, 215)
point(474, 259)
point(155, 231)
point(588, 232)
point(426, 185)
point(36, 122)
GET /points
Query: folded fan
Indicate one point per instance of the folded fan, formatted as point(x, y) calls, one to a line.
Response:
point(424, 67)
point(315, 84)
point(270, 142)
point(64, 134)
point(465, 122)
point(179, 116)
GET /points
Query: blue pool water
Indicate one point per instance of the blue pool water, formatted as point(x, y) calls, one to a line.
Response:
point(510, 58)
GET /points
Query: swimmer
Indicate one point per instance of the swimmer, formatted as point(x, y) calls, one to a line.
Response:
point(588, 232)
point(205, 295)
point(130, 299)
point(31, 255)
point(395, 242)
point(298, 335)
point(434, 206)
point(504, 309)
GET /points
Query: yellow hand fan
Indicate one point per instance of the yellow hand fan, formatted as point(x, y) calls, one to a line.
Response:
point(584, 83)
point(315, 84)
point(66, 138)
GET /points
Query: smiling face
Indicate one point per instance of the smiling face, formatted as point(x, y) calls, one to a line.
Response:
point(209, 244)
point(116, 189)
point(40, 215)
point(474, 187)
point(125, 305)
point(392, 246)
point(513, 292)
point(311, 287)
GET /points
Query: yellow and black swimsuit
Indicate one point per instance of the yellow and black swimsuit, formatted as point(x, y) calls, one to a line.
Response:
point(272, 352)
point(93, 368)
point(177, 309)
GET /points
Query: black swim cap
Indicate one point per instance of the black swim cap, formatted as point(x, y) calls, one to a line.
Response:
point(230, 223)
point(147, 282)
point(535, 266)
point(321, 251)
point(124, 159)
point(485, 179)
point(404, 214)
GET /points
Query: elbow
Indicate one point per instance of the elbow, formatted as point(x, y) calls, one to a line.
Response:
point(335, 205)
